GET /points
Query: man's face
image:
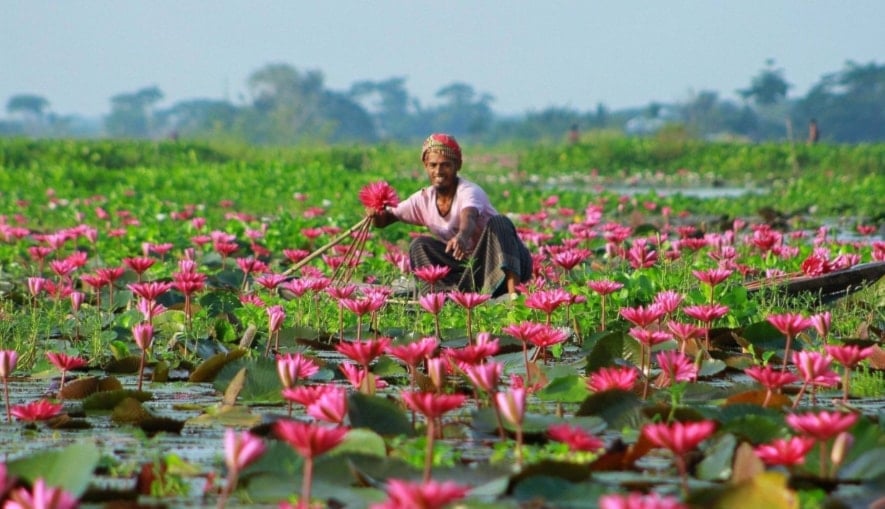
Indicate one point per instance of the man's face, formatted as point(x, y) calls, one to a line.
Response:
point(441, 171)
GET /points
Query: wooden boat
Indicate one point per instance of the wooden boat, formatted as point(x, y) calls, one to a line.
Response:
point(827, 287)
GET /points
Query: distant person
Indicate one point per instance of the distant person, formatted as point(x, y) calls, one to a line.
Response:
point(479, 246)
point(813, 132)
point(574, 135)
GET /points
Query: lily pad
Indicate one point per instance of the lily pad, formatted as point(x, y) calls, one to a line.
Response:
point(566, 389)
point(618, 408)
point(70, 468)
point(377, 414)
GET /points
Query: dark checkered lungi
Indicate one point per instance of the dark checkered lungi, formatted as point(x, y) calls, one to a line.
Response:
point(499, 248)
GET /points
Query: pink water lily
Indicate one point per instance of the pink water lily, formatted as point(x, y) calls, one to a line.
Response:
point(787, 452)
point(789, 324)
point(608, 378)
point(577, 438)
point(402, 494)
point(39, 410)
point(822, 425)
point(680, 438)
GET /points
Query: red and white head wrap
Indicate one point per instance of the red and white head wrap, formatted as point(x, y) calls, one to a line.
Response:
point(442, 144)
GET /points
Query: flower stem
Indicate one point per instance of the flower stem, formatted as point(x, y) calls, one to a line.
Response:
point(306, 482)
point(428, 451)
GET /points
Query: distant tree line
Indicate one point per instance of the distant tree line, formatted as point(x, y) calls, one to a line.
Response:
point(286, 106)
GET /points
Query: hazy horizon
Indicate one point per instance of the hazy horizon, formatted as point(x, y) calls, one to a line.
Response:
point(529, 56)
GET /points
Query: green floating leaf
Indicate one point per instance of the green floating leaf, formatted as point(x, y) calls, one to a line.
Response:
point(362, 441)
point(262, 381)
point(70, 468)
point(209, 369)
point(617, 408)
point(567, 389)
point(130, 411)
point(559, 492)
point(605, 350)
point(716, 466)
point(110, 399)
point(711, 367)
point(572, 472)
point(378, 414)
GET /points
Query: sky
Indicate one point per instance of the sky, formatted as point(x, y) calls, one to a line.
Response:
point(528, 54)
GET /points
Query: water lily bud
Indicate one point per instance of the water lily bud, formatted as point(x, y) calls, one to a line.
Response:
point(841, 445)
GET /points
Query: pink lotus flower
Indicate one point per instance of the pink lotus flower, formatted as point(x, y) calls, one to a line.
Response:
point(40, 496)
point(604, 286)
point(360, 377)
point(150, 291)
point(640, 256)
point(339, 292)
point(649, 338)
point(77, 299)
point(473, 354)
point(241, 449)
point(712, 277)
point(608, 378)
point(293, 367)
point(548, 301)
point(814, 368)
point(330, 406)
point(639, 501)
point(40, 410)
point(295, 255)
point(65, 363)
point(789, 324)
point(305, 394)
point(8, 360)
point(771, 379)
point(821, 323)
point(706, 313)
point(360, 306)
point(275, 315)
point(433, 303)
point(377, 195)
point(680, 438)
point(684, 332)
point(430, 404)
point(785, 452)
point(468, 300)
point(511, 403)
point(849, 355)
point(149, 309)
point(570, 258)
point(822, 425)
point(668, 301)
point(36, 285)
point(140, 264)
point(413, 353)
point(642, 316)
point(425, 495)
point(577, 438)
point(309, 441)
point(431, 274)
point(363, 352)
point(484, 377)
point(143, 334)
point(675, 367)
